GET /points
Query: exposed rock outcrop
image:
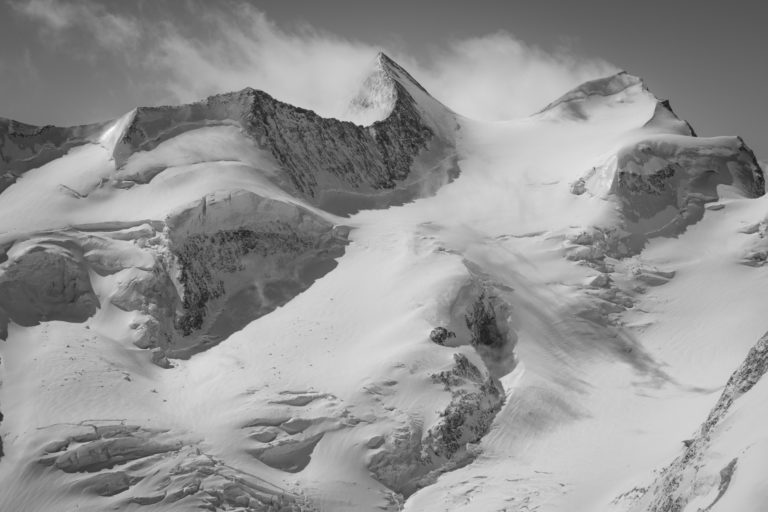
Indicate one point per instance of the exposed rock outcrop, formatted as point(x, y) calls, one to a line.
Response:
point(756, 251)
point(44, 280)
point(469, 415)
point(24, 146)
point(236, 257)
point(571, 104)
point(321, 159)
point(413, 457)
point(678, 482)
point(665, 117)
point(193, 280)
point(338, 165)
point(662, 185)
point(440, 335)
point(418, 452)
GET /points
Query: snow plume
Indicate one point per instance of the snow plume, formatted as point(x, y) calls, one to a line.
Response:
point(243, 48)
point(229, 46)
point(499, 77)
point(110, 31)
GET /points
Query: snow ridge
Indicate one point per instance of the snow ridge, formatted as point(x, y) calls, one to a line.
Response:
point(237, 304)
point(600, 88)
point(323, 160)
point(681, 481)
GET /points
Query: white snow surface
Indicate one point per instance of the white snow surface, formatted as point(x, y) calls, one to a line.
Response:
point(600, 398)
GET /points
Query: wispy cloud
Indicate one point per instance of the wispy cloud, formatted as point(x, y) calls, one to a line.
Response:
point(243, 48)
point(497, 76)
point(29, 66)
point(233, 45)
point(109, 30)
point(491, 77)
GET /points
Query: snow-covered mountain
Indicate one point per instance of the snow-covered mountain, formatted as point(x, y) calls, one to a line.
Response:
point(239, 305)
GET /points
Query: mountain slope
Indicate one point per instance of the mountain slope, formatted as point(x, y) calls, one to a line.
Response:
point(239, 305)
point(701, 476)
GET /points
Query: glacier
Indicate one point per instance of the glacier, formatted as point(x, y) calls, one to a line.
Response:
point(237, 304)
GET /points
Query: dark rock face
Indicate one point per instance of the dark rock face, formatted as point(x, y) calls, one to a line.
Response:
point(455, 429)
point(24, 146)
point(416, 454)
point(570, 102)
point(656, 174)
point(201, 257)
point(236, 258)
point(413, 458)
point(469, 415)
point(663, 114)
point(652, 184)
point(314, 152)
point(487, 317)
point(663, 184)
point(439, 335)
point(378, 156)
point(337, 165)
point(481, 321)
point(46, 282)
point(741, 381)
point(674, 488)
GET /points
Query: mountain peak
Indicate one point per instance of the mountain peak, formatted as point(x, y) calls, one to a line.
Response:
point(581, 102)
point(385, 60)
point(666, 118)
point(386, 84)
point(396, 72)
point(608, 86)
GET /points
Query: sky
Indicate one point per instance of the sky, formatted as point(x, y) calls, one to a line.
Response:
point(70, 62)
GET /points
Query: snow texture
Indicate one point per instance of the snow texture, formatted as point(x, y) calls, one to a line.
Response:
point(239, 305)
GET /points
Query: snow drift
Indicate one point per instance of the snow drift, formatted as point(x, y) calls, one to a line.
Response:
point(237, 304)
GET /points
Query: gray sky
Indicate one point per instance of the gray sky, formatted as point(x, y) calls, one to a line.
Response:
point(76, 61)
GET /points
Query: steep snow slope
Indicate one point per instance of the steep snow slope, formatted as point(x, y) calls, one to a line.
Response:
point(728, 441)
point(539, 328)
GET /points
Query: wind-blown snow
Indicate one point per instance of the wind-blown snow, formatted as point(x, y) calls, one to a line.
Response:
point(596, 268)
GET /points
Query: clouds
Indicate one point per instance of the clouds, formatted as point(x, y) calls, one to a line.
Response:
point(110, 31)
point(490, 77)
point(244, 48)
point(228, 46)
point(497, 76)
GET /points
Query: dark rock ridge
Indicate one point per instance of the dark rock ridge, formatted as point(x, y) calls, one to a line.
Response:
point(481, 316)
point(469, 415)
point(316, 154)
point(416, 454)
point(45, 281)
point(662, 184)
point(674, 488)
point(570, 103)
point(321, 159)
point(25, 146)
point(663, 113)
point(303, 143)
point(202, 256)
point(679, 177)
point(237, 257)
point(206, 272)
point(413, 457)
